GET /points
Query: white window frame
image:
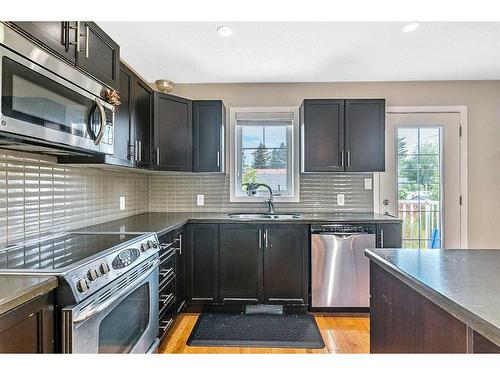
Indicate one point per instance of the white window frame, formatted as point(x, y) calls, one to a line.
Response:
point(233, 139)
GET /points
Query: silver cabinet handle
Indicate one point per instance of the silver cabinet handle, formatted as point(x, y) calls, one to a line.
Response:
point(164, 273)
point(260, 238)
point(78, 46)
point(164, 298)
point(140, 151)
point(266, 238)
point(180, 244)
point(348, 158)
point(381, 238)
point(165, 324)
point(342, 158)
point(87, 53)
point(157, 155)
point(218, 159)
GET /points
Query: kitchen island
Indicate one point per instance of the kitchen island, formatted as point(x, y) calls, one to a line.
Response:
point(434, 300)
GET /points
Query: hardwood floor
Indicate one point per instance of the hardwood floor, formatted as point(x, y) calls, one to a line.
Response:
point(341, 334)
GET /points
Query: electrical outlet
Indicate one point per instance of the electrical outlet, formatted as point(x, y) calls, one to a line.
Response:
point(368, 184)
point(200, 200)
point(340, 199)
point(122, 203)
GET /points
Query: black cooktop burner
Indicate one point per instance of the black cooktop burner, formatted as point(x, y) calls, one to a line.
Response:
point(59, 252)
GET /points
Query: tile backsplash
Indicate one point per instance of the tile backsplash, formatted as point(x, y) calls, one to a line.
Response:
point(318, 193)
point(39, 196)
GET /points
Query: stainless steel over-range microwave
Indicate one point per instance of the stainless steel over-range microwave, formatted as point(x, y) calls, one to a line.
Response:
point(47, 105)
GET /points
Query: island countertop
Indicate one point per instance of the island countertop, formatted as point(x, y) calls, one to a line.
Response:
point(464, 282)
point(16, 290)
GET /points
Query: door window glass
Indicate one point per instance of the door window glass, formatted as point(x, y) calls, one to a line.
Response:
point(419, 166)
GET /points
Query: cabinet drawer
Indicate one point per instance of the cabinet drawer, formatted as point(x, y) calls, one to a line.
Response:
point(166, 321)
point(167, 295)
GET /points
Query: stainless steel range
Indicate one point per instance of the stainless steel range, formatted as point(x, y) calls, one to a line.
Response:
point(107, 300)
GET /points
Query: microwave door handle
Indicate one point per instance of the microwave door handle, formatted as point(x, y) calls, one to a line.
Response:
point(88, 314)
point(102, 112)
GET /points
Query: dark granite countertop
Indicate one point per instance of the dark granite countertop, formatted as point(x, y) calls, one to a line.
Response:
point(16, 290)
point(464, 282)
point(162, 222)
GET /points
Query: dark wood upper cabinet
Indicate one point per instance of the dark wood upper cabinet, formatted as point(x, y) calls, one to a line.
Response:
point(209, 118)
point(57, 36)
point(365, 135)
point(81, 43)
point(240, 263)
point(172, 133)
point(98, 54)
point(202, 264)
point(142, 121)
point(340, 135)
point(286, 264)
point(123, 115)
point(389, 235)
point(29, 328)
point(322, 135)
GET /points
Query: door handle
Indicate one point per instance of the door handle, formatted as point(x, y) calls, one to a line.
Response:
point(266, 238)
point(87, 53)
point(342, 158)
point(218, 159)
point(348, 153)
point(103, 122)
point(381, 238)
point(157, 155)
point(260, 238)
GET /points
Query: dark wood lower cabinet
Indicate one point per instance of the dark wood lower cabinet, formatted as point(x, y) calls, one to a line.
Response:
point(29, 328)
point(202, 265)
point(240, 263)
point(286, 264)
point(404, 321)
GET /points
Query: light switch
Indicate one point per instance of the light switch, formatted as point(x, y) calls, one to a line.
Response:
point(368, 184)
point(122, 203)
point(200, 199)
point(340, 199)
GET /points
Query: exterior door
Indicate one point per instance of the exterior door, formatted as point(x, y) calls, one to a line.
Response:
point(422, 181)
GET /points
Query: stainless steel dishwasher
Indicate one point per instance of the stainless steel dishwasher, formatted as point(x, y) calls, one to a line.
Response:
point(340, 270)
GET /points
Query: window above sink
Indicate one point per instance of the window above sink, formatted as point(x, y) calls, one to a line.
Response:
point(264, 149)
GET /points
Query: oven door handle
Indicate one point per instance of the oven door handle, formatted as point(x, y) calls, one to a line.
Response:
point(102, 112)
point(88, 314)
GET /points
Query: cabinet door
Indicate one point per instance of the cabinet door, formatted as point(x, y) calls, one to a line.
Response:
point(365, 135)
point(55, 35)
point(99, 55)
point(173, 133)
point(389, 235)
point(202, 254)
point(208, 135)
point(286, 271)
point(322, 135)
point(122, 115)
point(180, 289)
point(240, 263)
point(142, 122)
point(29, 328)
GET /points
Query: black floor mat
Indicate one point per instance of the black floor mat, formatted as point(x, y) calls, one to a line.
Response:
point(256, 330)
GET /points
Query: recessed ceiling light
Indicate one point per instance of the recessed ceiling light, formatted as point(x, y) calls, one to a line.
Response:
point(409, 27)
point(224, 30)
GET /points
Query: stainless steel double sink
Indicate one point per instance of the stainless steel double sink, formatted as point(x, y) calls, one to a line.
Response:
point(249, 216)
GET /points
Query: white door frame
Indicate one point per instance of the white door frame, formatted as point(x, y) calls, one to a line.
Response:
point(461, 110)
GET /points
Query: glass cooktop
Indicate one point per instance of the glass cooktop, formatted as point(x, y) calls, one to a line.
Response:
point(56, 253)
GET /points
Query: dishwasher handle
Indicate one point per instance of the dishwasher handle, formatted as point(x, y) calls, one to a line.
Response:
point(343, 234)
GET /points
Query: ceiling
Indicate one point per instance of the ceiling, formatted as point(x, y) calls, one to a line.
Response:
point(193, 52)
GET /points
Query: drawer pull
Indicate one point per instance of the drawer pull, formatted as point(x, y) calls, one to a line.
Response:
point(164, 273)
point(165, 324)
point(164, 299)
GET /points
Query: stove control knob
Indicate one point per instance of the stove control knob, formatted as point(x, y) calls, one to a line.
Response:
point(92, 274)
point(151, 244)
point(104, 268)
point(82, 286)
point(144, 247)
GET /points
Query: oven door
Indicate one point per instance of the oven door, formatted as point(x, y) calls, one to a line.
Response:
point(121, 318)
point(39, 105)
